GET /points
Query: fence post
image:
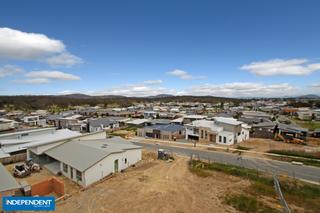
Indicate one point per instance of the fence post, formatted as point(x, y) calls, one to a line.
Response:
point(279, 192)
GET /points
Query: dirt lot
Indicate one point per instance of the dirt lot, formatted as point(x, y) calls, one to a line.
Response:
point(156, 186)
point(264, 145)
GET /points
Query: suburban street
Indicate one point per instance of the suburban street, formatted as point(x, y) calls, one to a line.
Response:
point(303, 172)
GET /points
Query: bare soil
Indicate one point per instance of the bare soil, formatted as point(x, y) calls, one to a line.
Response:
point(156, 186)
point(264, 145)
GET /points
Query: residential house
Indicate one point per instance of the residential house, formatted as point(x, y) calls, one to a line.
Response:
point(291, 131)
point(162, 131)
point(220, 130)
point(99, 124)
point(34, 120)
point(263, 130)
point(150, 114)
point(16, 143)
point(6, 124)
point(102, 158)
point(316, 114)
point(304, 113)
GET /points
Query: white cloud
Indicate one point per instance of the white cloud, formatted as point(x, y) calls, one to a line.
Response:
point(282, 67)
point(64, 59)
point(234, 90)
point(56, 75)
point(15, 44)
point(183, 75)
point(19, 45)
point(241, 89)
point(153, 82)
point(146, 88)
point(316, 86)
point(8, 70)
point(33, 81)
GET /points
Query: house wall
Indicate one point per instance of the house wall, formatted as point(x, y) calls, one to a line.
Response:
point(164, 135)
point(263, 132)
point(74, 174)
point(230, 128)
point(229, 138)
point(192, 131)
point(244, 135)
point(6, 126)
point(106, 166)
point(48, 186)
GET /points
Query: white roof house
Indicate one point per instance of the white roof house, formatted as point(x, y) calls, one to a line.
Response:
point(20, 141)
point(88, 161)
point(138, 121)
point(221, 130)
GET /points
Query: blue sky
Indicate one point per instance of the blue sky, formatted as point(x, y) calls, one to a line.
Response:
point(138, 48)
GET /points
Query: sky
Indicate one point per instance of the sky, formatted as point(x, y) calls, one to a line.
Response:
point(227, 48)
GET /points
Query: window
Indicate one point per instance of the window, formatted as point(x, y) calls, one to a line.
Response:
point(224, 139)
point(220, 138)
point(201, 133)
point(125, 160)
point(79, 175)
point(65, 168)
point(205, 134)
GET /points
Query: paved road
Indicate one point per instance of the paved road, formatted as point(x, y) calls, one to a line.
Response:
point(272, 166)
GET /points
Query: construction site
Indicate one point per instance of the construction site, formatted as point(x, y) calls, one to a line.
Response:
point(160, 182)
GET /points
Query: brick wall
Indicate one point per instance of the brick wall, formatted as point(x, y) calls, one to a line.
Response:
point(48, 186)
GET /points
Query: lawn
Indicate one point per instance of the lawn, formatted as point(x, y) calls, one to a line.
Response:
point(311, 125)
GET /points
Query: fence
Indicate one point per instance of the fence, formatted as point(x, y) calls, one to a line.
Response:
point(277, 187)
point(14, 158)
point(279, 192)
point(47, 187)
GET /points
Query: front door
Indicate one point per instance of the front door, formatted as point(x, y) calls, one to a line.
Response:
point(116, 165)
point(71, 172)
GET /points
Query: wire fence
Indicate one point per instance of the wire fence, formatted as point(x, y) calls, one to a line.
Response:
point(277, 187)
point(283, 202)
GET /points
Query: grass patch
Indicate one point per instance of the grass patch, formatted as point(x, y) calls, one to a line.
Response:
point(131, 128)
point(200, 172)
point(296, 192)
point(309, 162)
point(242, 147)
point(311, 125)
point(314, 155)
point(310, 159)
point(248, 204)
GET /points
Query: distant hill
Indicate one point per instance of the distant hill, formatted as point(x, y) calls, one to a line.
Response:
point(309, 96)
point(161, 96)
point(84, 96)
point(33, 102)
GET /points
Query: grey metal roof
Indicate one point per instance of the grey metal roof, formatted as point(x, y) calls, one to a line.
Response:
point(7, 182)
point(82, 155)
point(101, 121)
point(264, 124)
point(292, 128)
point(160, 121)
point(167, 128)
